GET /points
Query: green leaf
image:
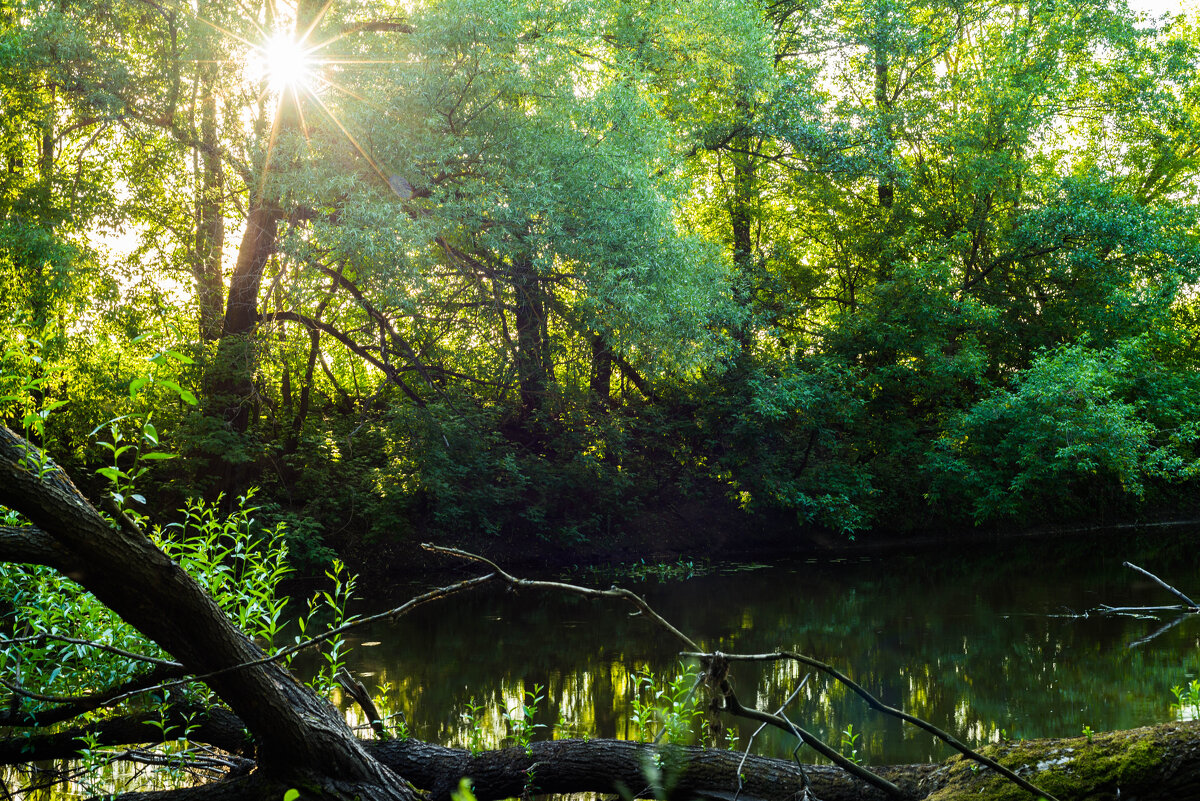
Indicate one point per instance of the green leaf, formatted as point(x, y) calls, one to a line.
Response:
point(150, 433)
point(291, 795)
point(158, 455)
point(136, 385)
point(111, 473)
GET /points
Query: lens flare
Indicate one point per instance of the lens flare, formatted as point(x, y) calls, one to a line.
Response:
point(286, 64)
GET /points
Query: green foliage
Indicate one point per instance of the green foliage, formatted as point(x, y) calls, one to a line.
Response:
point(60, 641)
point(544, 265)
point(1187, 700)
point(849, 744)
point(666, 709)
point(1079, 425)
point(520, 721)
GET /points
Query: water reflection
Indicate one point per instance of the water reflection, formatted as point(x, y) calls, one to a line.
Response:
point(981, 643)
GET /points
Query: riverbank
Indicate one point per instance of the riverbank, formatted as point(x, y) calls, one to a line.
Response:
point(708, 530)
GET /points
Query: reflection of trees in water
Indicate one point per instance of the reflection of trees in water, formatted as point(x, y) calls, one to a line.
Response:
point(963, 641)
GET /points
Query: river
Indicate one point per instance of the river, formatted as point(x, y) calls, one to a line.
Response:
point(986, 642)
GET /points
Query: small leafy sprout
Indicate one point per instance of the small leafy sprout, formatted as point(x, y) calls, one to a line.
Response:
point(850, 744)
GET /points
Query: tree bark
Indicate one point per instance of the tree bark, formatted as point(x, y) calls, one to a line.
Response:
point(210, 216)
point(1150, 764)
point(300, 738)
point(529, 313)
point(600, 379)
point(625, 768)
point(1157, 763)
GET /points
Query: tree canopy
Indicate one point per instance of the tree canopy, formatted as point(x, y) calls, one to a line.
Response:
point(466, 270)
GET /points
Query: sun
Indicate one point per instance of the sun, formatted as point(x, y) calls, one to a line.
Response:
point(286, 64)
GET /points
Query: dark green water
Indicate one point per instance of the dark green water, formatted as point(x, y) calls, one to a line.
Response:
point(976, 641)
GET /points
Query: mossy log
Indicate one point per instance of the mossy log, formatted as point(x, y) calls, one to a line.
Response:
point(1157, 762)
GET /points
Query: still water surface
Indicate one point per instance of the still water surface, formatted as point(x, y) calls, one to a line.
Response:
point(984, 642)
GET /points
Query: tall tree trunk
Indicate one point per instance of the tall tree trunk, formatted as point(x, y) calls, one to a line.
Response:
point(231, 375)
point(600, 381)
point(210, 216)
point(529, 313)
point(742, 214)
point(886, 186)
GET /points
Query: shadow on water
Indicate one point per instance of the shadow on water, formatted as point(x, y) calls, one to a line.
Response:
point(984, 642)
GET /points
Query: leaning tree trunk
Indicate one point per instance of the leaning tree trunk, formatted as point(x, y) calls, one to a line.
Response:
point(300, 739)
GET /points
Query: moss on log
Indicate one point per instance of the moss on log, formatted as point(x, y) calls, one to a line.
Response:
point(1155, 762)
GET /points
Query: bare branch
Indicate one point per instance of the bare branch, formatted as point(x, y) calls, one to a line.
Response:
point(615, 592)
point(391, 614)
point(112, 649)
point(732, 704)
point(1162, 584)
point(68, 708)
point(214, 726)
point(880, 706)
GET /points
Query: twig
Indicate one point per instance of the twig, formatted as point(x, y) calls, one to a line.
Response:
point(358, 692)
point(1109, 610)
point(112, 649)
point(750, 741)
point(1191, 604)
point(880, 706)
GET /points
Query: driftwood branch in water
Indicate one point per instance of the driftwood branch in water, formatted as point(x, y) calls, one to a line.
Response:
point(1190, 607)
point(716, 664)
point(1191, 604)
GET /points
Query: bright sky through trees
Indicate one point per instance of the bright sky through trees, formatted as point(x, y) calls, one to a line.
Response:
point(286, 63)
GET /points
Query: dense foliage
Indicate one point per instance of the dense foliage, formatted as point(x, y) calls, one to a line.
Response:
point(538, 270)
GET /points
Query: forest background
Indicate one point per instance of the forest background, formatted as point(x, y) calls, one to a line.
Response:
point(581, 276)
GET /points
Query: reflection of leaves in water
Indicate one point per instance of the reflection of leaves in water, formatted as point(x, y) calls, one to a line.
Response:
point(643, 570)
point(962, 639)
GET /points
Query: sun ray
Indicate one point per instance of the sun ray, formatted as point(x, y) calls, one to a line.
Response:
point(350, 138)
point(316, 20)
point(276, 122)
point(333, 84)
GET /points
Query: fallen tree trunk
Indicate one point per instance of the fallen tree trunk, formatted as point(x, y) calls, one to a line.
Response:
point(626, 768)
point(1149, 764)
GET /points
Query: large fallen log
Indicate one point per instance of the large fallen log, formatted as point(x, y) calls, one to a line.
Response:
point(1148, 764)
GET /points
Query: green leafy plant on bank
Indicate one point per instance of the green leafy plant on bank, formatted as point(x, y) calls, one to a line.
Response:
point(520, 723)
point(666, 708)
point(849, 744)
point(1187, 700)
